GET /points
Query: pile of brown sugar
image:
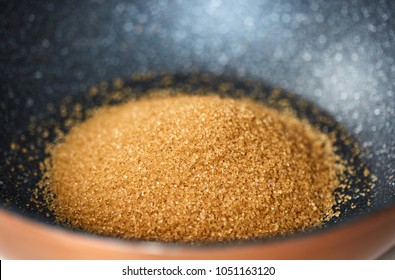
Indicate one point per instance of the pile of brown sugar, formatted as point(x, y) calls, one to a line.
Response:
point(193, 169)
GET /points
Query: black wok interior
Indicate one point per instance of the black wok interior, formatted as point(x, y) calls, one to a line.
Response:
point(336, 54)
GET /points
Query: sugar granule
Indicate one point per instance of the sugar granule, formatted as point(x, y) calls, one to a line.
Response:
point(192, 169)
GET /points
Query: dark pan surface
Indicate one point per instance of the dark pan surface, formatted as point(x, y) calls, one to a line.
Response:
point(339, 55)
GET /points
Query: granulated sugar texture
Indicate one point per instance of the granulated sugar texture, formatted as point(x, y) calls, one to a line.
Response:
point(192, 169)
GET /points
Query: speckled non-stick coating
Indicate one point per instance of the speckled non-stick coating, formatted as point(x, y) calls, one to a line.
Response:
point(337, 54)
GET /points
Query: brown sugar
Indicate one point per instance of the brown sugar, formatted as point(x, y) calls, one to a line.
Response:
point(193, 169)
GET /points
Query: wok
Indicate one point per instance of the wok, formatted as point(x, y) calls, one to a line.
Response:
point(338, 55)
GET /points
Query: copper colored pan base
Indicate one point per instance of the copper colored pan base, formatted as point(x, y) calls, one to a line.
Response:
point(365, 239)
